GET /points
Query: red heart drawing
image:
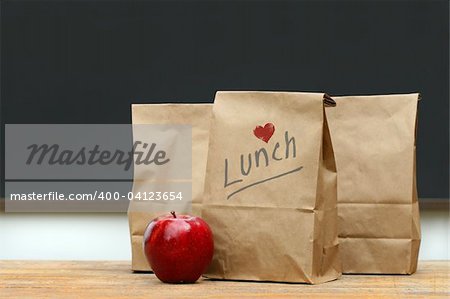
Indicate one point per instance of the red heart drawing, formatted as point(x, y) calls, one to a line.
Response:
point(264, 133)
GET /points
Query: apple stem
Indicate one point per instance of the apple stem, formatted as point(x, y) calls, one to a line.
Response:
point(173, 214)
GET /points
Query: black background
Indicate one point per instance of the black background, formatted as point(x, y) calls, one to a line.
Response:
point(87, 61)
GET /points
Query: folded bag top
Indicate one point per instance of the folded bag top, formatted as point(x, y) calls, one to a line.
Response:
point(270, 188)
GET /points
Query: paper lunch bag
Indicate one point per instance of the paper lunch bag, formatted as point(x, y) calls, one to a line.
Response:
point(270, 189)
point(374, 141)
point(196, 115)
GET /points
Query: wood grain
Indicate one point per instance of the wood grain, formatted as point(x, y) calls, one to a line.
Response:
point(86, 279)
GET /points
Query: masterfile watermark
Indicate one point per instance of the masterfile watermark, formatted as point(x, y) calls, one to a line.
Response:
point(101, 167)
point(142, 152)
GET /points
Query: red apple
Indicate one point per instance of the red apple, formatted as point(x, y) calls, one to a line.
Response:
point(178, 248)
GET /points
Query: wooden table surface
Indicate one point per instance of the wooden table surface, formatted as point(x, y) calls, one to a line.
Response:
point(77, 279)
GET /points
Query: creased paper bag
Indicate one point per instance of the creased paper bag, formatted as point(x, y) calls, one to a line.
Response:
point(270, 189)
point(374, 140)
point(140, 212)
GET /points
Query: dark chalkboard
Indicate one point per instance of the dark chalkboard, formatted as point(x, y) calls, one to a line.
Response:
point(87, 61)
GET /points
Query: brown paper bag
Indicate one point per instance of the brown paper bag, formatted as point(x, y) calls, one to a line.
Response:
point(270, 190)
point(196, 115)
point(374, 140)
